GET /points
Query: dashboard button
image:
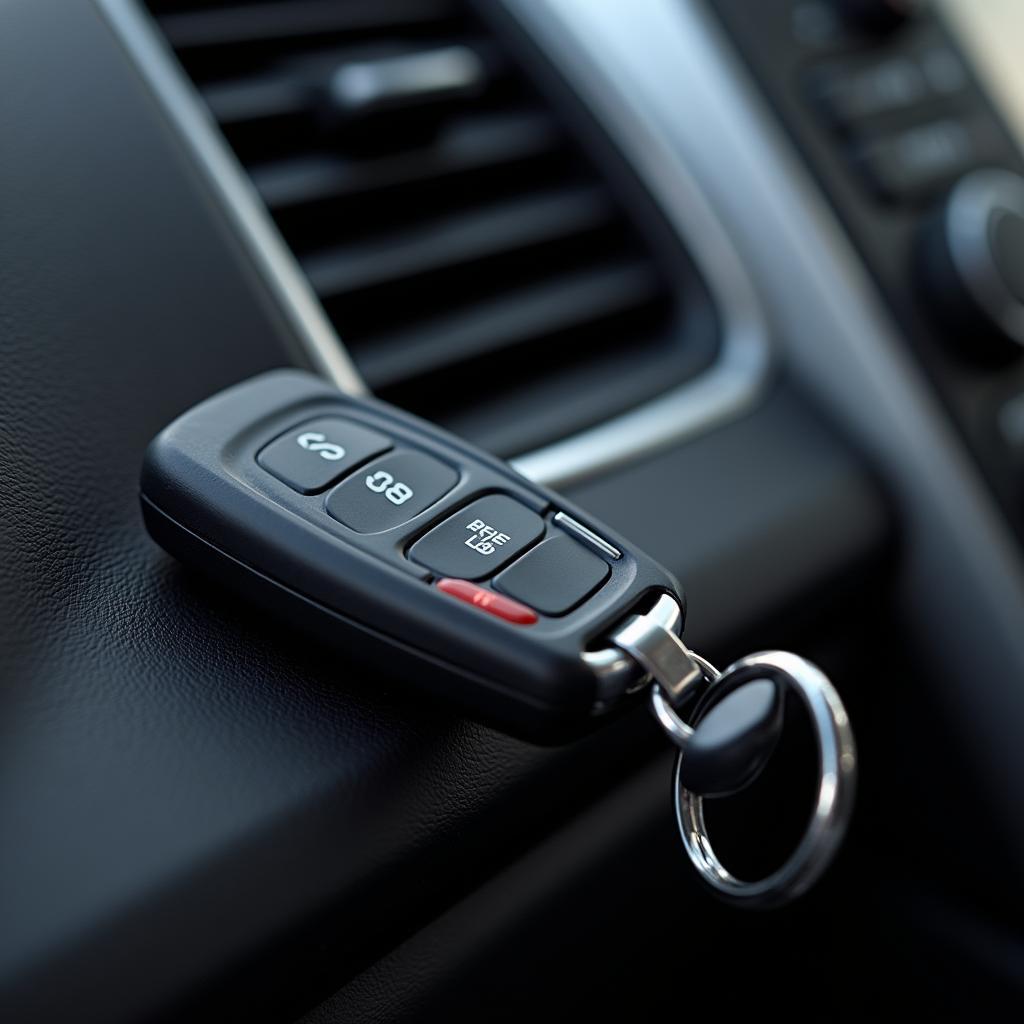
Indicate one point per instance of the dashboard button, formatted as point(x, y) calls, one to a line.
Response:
point(913, 163)
point(312, 456)
point(944, 71)
point(477, 541)
point(554, 577)
point(390, 491)
point(852, 94)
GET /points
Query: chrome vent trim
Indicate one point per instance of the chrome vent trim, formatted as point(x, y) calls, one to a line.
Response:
point(733, 383)
point(156, 63)
point(722, 392)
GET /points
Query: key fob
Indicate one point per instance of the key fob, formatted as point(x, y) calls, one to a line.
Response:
point(406, 548)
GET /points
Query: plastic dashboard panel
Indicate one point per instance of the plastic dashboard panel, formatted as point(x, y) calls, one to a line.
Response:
point(972, 373)
point(188, 787)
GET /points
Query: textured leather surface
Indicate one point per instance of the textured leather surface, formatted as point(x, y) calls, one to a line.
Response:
point(152, 726)
point(186, 789)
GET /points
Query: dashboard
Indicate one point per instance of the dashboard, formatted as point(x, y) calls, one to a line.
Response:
point(744, 281)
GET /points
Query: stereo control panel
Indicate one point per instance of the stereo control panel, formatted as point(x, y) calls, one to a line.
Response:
point(892, 120)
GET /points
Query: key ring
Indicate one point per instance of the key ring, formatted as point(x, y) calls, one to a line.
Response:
point(837, 763)
point(678, 676)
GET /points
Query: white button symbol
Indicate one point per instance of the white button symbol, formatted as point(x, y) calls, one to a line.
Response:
point(384, 483)
point(314, 442)
point(486, 539)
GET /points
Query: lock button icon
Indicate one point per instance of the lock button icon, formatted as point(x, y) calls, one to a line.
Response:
point(315, 454)
point(313, 441)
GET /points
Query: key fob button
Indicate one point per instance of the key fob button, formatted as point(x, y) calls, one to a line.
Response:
point(488, 601)
point(311, 456)
point(477, 541)
point(390, 491)
point(554, 577)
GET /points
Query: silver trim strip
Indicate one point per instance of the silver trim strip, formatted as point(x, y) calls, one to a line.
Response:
point(729, 387)
point(573, 34)
point(155, 61)
point(588, 537)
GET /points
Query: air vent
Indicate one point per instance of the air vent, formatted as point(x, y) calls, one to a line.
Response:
point(481, 251)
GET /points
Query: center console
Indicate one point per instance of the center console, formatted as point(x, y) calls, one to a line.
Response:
point(888, 113)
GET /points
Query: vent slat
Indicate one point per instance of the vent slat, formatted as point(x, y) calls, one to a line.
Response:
point(292, 87)
point(512, 319)
point(466, 248)
point(471, 143)
point(458, 240)
point(252, 23)
point(256, 99)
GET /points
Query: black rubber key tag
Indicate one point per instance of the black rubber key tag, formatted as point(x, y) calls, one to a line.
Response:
point(732, 742)
point(729, 739)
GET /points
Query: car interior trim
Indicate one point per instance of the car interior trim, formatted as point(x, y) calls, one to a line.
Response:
point(732, 384)
point(830, 322)
point(843, 344)
point(725, 390)
point(155, 62)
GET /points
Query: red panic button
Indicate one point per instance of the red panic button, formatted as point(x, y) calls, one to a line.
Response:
point(488, 601)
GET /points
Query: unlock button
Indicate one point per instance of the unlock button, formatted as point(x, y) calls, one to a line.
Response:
point(313, 455)
point(390, 491)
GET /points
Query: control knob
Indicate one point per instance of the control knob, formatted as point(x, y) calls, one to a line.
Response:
point(973, 256)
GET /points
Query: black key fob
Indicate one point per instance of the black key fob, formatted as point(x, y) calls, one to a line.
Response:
point(406, 548)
